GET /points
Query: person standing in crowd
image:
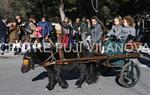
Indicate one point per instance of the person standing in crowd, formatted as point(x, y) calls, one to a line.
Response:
point(83, 29)
point(139, 26)
point(20, 23)
point(71, 31)
point(96, 31)
point(3, 32)
point(116, 30)
point(129, 32)
point(86, 36)
point(76, 27)
point(32, 26)
point(46, 27)
point(58, 32)
point(14, 30)
point(88, 25)
point(47, 43)
point(65, 32)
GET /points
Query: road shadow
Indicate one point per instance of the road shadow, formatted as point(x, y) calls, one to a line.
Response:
point(108, 71)
point(41, 76)
point(145, 59)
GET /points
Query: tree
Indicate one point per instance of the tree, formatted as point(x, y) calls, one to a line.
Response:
point(11, 8)
point(73, 8)
point(61, 10)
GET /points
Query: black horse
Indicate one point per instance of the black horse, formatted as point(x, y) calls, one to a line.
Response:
point(56, 72)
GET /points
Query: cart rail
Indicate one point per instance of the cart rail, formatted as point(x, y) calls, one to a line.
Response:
point(93, 59)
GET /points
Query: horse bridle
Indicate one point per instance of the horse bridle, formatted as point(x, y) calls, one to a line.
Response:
point(29, 60)
point(52, 56)
point(42, 63)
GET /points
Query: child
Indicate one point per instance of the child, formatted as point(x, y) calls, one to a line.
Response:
point(116, 30)
point(37, 44)
point(114, 38)
point(16, 47)
point(128, 29)
point(25, 46)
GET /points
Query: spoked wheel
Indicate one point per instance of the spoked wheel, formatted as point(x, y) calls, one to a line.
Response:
point(130, 75)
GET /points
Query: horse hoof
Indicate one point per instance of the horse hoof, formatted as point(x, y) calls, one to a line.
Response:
point(77, 86)
point(86, 84)
point(49, 88)
point(64, 86)
point(46, 89)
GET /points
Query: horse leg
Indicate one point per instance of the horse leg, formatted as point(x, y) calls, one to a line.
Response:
point(52, 79)
point(81, 79)
point(91, 74)
point(60, 78)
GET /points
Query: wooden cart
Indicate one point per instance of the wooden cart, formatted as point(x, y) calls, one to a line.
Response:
point(130, 72)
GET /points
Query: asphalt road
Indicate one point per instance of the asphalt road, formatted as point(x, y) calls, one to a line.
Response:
point(13, 82)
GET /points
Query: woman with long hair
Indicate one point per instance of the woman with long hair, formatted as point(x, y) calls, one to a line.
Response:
point(116, 30)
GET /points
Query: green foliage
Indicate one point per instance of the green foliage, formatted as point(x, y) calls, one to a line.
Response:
point(73, 8)
point(11, 8)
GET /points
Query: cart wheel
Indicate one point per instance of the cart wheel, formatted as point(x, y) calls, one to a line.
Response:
point(130, 75)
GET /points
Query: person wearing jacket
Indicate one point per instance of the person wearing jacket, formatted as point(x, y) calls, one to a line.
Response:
point(116, 30)
point(14, 30)
point(46, 27)
point(3, 29)
point(129, 32)
point(76, 27)
point(71, 33)
point(20, 24)
point(96, 32)
point(83, 29)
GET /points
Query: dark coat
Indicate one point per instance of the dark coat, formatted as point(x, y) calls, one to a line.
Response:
point(46, 27)
point(3, 29)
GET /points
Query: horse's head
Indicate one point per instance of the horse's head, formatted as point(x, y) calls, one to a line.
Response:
point(33, 57)
point(26, 64)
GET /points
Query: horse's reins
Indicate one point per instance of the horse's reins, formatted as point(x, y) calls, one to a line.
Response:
point(43, 63)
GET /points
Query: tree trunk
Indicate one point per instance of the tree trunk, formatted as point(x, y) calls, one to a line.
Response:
point(62, 15)
point(61, 10)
